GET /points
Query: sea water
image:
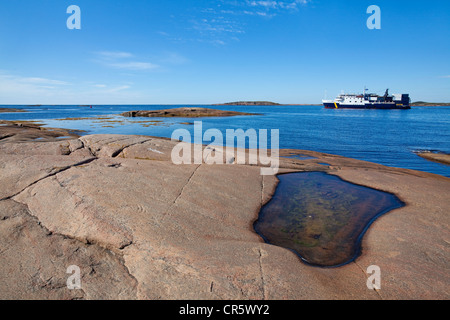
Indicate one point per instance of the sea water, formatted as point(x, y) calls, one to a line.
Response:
point(388, 137)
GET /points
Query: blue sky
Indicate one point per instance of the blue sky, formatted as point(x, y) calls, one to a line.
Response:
point(196, 51)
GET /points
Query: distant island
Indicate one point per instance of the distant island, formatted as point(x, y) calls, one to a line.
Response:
point(261, 103)
point(248, 103)
point(430, 104)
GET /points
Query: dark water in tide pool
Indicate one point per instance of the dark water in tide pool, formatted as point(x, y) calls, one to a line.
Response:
point(388, 137)
point(321, 217)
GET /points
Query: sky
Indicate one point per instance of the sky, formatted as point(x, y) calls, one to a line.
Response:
point(205, 52)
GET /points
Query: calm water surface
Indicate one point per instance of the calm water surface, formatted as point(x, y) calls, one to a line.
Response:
point(388, 137)
point(321, 217)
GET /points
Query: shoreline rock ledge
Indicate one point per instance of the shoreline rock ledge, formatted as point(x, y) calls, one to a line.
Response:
point(140, 227)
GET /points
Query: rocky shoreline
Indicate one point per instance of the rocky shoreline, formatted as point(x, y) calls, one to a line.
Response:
point(140, 227)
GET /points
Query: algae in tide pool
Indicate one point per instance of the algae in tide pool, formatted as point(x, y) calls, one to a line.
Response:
point(321, 217)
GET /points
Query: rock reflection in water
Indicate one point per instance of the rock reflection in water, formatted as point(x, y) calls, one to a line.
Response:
point(321, 217)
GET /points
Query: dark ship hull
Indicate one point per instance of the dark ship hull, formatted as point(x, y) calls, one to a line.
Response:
point(386, 106)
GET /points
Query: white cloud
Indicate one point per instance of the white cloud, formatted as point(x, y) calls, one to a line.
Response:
point(103, 88)
point(277, 4)
point(16, 89)
point(174, 58)
point(115, 54)
point(216, 25)
point(121, 88)
point(259, 13)
point(123, 60)
point(133, 65)
point(222, 21)
point(163, 33)
point(12, 83)
point(41, 81)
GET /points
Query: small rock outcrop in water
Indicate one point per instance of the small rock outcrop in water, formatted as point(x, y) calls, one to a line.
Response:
point(438, 157)
point(22, 131)
point(3, 110)
point(186, 112)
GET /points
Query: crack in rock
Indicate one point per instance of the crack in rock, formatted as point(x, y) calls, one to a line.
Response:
point(263, 282)
point(98, 260)
point(51, 174)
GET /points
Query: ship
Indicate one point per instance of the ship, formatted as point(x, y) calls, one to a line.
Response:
point(369, 101)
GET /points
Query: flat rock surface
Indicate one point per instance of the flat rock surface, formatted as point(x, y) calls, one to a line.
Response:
point(140, 227)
